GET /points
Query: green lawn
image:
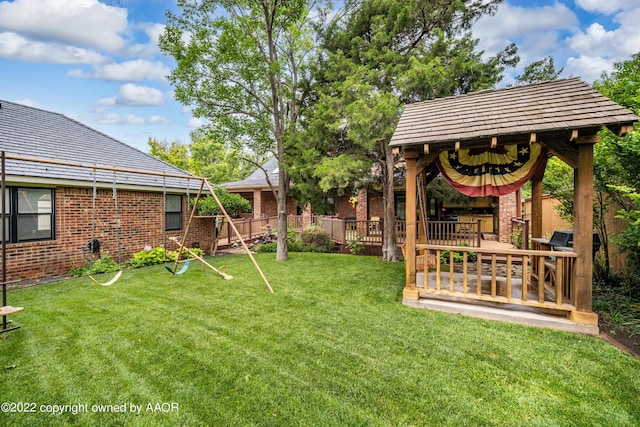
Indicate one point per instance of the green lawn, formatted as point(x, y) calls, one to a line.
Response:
point(333, 347)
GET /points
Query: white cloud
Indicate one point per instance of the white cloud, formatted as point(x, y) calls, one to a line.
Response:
point(159, 120)
point(73, 22)
point(606, 6)
point(116, 119)
point(194, 122)
point(513, 22)
point(587, 68)
point(107, 102)
point(128, 71)
point(19, 48)
point(134, 95)
point(617, 44)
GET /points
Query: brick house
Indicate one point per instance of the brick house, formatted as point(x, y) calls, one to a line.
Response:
point(495, 213)
point(49, 207)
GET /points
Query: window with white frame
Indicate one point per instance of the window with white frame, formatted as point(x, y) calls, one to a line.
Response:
point(173, 212)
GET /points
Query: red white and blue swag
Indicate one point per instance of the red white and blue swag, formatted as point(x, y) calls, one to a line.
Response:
point(491, 171)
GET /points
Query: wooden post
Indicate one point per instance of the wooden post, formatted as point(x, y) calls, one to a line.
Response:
point(536, 207)
point(583, 237)
point(410, 291)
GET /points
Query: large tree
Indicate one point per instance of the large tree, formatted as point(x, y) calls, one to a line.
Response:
point(617, 160)
point(174, 152)
point(377, 55)
point(239, 63)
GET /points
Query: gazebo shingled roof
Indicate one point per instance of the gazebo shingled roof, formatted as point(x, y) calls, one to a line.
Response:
point(544, 108)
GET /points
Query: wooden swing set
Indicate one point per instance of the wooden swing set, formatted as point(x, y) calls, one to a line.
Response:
point(92, 247)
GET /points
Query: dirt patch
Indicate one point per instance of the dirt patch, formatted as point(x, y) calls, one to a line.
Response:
point(621, 337)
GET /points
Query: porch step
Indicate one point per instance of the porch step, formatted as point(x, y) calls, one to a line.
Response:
point(503, 315)
point(491, 237)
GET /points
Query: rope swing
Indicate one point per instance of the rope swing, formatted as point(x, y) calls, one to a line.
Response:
point(94, 246)
point(185, 266)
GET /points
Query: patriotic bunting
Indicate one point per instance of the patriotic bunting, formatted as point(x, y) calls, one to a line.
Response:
point(491, 171)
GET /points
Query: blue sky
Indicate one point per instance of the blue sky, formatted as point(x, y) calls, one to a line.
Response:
point(98, 62)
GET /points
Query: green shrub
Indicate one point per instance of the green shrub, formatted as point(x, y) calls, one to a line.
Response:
point(153, 256)
point(293, 244)
point(314, 235)
point(356, 246)
point(458, 256)
point(103, 265)
point(145, 258)
point(315, 239)
point(234, 204)
point(267, 247)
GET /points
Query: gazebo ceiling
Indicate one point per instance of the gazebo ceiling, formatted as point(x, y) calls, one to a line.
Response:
point(557, 113)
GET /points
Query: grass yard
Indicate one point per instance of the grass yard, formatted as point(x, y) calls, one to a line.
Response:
point(333, 347)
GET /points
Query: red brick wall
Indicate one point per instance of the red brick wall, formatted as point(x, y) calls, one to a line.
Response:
point(376, 206)
point(343, 207)
point(508, 208)
point(141, 224)
point(270, 205)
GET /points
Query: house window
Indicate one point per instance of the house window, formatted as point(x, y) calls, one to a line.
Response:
point(29, 214)
point(173, 212)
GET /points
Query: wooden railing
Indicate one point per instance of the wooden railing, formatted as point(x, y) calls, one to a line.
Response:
point(296, 222)
point(343, 231)
point(454, 233)
point(248, 228)
point(539, 279)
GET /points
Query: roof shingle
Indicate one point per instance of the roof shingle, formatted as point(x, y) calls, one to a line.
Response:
point(32, 132)
point(540, 107)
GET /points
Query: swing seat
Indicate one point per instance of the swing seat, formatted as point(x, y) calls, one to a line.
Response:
point(110, 282)
point(183, 270)
point(7, 310)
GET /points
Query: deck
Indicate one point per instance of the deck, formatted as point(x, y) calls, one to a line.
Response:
point(499, 282)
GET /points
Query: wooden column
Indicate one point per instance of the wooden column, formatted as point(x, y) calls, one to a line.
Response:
point(583, 237)
point(257, 203)
point(410, 291)
point(536, 201)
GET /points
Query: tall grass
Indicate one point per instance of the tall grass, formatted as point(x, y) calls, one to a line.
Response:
point(333, 347)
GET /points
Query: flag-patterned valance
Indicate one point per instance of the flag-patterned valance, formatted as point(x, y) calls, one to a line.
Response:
point(491, 171)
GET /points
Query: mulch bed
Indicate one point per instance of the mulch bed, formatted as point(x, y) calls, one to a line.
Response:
point(621, 337)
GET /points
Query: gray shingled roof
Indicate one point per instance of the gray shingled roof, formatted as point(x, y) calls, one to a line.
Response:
point(32, 132)
point(555, 105)
point(257, 179)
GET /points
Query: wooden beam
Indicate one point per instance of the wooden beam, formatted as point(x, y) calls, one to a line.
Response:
point(430, 173)
point(410, 153)
point(532, 137)
point(574, 135)
point(565, 151)
point(426, 161)
point(588, 139)
point(625, 130)
point(456, 146)
point(426, 148)
point(395, 151)
point(494, 141)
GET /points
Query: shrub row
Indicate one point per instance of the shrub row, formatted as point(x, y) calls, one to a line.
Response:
point(146, 257)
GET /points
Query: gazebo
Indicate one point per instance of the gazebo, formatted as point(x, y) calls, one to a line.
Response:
point(490, 143)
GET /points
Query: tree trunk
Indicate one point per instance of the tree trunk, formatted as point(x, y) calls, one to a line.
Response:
point(282, 251)
point(390, 241)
